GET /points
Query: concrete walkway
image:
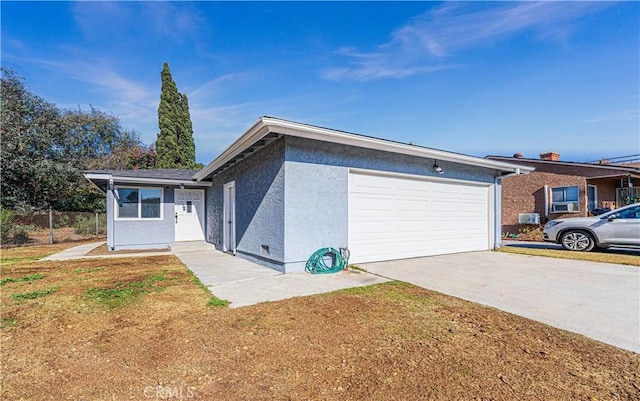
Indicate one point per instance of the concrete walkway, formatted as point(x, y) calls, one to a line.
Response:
point(80, 252)
point(245, 283)
point(598, 300)
point(237, 280)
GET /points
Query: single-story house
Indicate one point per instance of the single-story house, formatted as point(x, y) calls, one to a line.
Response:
point(558, 189)
point(284, 189)
point(149, 209)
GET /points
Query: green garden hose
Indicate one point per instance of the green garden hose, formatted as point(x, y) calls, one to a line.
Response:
point(317, 263)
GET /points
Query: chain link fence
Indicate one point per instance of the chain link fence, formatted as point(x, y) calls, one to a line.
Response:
point(34, 228)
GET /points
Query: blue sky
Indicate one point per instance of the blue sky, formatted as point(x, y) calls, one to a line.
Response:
point(471, 77)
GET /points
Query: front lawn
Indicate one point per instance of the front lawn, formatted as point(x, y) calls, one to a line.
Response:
point(120, 329)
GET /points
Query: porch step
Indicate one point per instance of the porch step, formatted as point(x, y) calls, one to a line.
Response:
point(191, 246)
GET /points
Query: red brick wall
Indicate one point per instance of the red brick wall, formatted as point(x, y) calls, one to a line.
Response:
point(525, 194)
point(606, 192)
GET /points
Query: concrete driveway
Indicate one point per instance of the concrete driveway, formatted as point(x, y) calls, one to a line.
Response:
point(598, 300)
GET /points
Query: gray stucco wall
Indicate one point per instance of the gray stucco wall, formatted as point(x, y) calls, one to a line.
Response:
point(292, 197)
point(259, 192)
point(316, 213)
point(317, 186)
point(317, 152)
point(142, 233)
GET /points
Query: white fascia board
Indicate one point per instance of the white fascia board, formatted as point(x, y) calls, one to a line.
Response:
point(140, 180)
point(265, 125)
point(344, 138)
point(97, 176)
point(161, 181)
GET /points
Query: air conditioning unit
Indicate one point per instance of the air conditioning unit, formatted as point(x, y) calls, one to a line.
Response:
point(528, 218)
point(564, 207)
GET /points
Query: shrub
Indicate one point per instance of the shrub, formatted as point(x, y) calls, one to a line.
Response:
point(87, 226)
point(6, 219)
point(20, 235)
point(61, 221)
point(530, 233)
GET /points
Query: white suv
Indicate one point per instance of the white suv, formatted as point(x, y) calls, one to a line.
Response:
point(617, 227)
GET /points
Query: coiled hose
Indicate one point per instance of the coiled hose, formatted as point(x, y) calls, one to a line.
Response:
point(317, 263)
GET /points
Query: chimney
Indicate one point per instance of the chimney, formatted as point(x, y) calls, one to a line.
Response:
point(518, 155)
point(550, 156)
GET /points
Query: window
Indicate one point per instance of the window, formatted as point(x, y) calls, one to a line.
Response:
point(565, 199)
point(139, 203)
point(631, 213)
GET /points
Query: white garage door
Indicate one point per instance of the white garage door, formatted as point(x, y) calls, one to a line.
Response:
point(393, 217)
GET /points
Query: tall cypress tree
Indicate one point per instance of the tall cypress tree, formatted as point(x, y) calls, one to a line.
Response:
point(175, 146)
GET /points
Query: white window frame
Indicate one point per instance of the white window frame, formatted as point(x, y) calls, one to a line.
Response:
point(116, 204)
point(570, 209)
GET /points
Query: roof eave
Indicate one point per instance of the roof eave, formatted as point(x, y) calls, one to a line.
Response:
point(140, 180)
point(266, 125)
point(345, 138)
point(620, 168)
point(620, 175)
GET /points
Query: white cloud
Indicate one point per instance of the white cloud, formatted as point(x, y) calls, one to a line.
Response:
point(216, 127)
point(175, 22)
point(130, 21)
point(422, 45)
point(134, 103)
point(97, 19)
point(216, 85)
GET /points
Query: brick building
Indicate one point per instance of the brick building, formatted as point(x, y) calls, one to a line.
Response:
point(563, 189)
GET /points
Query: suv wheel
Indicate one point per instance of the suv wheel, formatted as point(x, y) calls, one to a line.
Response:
point(577, 241)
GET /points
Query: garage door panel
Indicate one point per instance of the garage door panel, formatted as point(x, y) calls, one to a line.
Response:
point(394, 217)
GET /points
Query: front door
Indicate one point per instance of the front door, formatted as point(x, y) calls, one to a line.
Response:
point(189, 214)
point(592, 197)
point(229, 217)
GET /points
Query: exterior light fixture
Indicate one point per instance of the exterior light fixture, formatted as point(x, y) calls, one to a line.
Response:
point(437, 168)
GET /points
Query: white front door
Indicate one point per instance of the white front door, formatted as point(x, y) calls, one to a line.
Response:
point(229, 217)
point(189, 214)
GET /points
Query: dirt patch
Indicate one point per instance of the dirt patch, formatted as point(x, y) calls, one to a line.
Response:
point(387, 342)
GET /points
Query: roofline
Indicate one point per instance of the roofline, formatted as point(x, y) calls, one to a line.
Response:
point(620, 175)
point(138, 180)
point(266, 125)
point(555, 162)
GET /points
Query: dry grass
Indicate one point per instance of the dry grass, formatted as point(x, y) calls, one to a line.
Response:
point(590, 256)
point(29, 253)
point(387, 342)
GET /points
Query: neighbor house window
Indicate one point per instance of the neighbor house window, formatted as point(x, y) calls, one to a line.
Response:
point(565, 199)
point(139, 203)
